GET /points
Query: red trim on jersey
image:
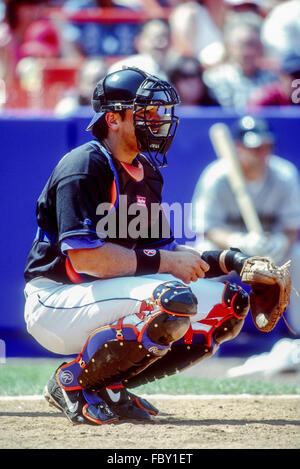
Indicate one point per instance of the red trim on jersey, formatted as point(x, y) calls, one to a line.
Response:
point(71, 273)
point(135, 172)
point(113, 194)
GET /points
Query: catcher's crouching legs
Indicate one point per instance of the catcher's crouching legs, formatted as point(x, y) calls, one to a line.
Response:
point(203, 338)
point(118, 352)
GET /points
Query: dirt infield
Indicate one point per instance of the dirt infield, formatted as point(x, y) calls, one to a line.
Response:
point(225, 422)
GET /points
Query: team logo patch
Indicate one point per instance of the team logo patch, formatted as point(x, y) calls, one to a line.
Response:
point(149, 252)
point(66, 377)
point(141, 200)
point(156, 350)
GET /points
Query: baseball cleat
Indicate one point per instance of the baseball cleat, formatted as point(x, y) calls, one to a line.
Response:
point(75, 407)
point(70, 403)
point(127, 405)
point(142, 403)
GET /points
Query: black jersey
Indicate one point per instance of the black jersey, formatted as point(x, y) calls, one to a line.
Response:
point(90, 194)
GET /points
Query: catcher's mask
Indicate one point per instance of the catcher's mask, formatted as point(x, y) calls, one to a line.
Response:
point(132, 88)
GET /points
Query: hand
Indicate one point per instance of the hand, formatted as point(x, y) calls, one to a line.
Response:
point(278, 244)
point(184, 265)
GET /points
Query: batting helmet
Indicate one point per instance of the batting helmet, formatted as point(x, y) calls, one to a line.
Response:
point(132, 88)
point(253, 131)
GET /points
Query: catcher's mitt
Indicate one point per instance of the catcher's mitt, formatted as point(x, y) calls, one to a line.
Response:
point(270, 290)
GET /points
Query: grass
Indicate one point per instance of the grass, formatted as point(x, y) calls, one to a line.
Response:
point(28, 377)
point(190, 385)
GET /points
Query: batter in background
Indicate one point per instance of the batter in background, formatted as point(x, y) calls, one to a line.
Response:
point(273, 185)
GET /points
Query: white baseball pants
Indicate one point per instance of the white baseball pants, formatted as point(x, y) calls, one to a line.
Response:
point(61, 316)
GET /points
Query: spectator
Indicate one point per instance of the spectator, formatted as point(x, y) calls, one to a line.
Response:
point(41, 45)
point(186, 75)
point(195, 34)
point(273, 184)
point(79, 4)
point(41, 40)
point(92, 71)
point(281, 29)
point(281, 92)
point(244, 6)
point(92, 38)
point(217, 10)
point(19, 14)
point(232, 83)
point(153, 47)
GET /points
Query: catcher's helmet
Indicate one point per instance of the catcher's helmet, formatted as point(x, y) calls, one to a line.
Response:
point(132, 88)
point(253, 131)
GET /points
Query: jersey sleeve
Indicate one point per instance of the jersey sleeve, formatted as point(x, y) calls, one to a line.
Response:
point(77, 199)
point(80, 242)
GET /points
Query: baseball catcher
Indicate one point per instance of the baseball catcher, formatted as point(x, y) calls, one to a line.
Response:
point(107, 282)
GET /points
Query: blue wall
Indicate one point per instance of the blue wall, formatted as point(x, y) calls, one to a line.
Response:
point(30, 148)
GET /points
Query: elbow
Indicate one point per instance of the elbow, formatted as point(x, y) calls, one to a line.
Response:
point(76, 262)
point(86, 264)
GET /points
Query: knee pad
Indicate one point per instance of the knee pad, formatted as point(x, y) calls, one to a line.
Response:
point(116, 352)
point(235, 306)
point(175, 298)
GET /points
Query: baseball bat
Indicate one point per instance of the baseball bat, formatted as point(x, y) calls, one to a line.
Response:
point(224, 147)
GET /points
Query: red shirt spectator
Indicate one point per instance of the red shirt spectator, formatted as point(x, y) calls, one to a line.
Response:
point(279, 93)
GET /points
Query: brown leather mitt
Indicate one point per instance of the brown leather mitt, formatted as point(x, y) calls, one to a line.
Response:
point(270, 290)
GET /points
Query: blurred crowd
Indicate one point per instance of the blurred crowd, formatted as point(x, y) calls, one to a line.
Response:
point(228, 53)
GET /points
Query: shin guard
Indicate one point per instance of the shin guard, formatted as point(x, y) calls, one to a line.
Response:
point(203, 338)
point(123, 349)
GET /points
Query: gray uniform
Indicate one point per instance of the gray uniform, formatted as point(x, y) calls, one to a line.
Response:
point(276, 198)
